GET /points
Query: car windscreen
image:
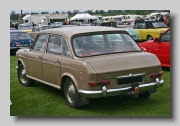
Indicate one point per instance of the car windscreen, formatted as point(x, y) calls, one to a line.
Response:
point(24, 28)
point(19, 35)
point(99, 44)
point(159, 25)
point(57, 23)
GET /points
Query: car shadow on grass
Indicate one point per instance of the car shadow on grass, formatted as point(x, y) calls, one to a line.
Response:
point(166, 69)
point(49, 89)
point(110, 105)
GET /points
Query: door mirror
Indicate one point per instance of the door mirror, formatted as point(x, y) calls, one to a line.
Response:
point(156, 40)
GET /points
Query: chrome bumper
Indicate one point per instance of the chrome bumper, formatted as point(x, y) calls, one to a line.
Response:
point(121, 91)
point(16, 67)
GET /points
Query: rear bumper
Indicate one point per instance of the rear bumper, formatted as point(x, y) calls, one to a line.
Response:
point(121, 91)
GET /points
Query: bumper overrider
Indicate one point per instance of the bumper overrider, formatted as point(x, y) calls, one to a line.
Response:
point(151, 87)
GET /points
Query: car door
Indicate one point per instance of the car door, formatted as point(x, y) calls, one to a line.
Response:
point(140, 28)
point(35, 57)
point(51, 61)
point(162, 49)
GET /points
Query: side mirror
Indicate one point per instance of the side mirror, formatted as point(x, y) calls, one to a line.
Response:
point(156, 40)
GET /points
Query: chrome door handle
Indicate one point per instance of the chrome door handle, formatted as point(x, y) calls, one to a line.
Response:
point(58, 61)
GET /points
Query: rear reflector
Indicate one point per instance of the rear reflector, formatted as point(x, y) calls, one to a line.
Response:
point(154, 75)
point(94, 83)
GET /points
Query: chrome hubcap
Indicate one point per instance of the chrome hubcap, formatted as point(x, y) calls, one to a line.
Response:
point(71, 95)
point(23, 77)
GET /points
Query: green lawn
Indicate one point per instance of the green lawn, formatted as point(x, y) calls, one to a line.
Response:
point(42, 100)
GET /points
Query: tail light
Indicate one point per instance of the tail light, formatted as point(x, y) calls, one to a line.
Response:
point(94, 83)
point(10, 43)
point(154, 75)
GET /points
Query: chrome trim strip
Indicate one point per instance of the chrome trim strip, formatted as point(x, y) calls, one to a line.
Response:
point(47, 83)
point(131, 75)
point(120, 91)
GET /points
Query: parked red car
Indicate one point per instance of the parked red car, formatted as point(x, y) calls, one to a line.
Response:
point(160, 47)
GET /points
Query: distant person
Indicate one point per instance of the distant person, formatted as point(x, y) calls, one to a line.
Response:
point(11, 25)
point(136, 20)
point(16, 25)
point(168, 20)
point(161, 18)
point(33, 24)
point(151, 18)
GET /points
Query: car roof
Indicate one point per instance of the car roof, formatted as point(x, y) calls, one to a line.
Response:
point(70, 31)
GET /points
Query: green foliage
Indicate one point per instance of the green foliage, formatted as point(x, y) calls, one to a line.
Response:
point(43, 100)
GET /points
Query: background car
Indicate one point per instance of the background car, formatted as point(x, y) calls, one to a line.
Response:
point(160, 47)
point(85, 23)
point(13, 29)
point(56, 24)
point(19, 39)
point(41, 27)
point(25, 27)
point(125, 24)
point(148, 30)
point(134, 34)
point(109, 24)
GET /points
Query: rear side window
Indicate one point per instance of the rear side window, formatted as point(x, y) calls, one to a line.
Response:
point(40, 43)
point(54, 45)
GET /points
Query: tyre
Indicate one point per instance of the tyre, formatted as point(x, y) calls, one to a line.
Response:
point(71, 94)
point(23, 78)
point(149, 37)
point(144, 95)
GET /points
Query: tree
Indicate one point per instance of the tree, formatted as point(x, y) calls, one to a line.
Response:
point(96, 12)
point(45, 12)
point(75, 12)
point(57, 12)
point(69, 12)
point(90, 11)
point(102, 11)
point(13, 15)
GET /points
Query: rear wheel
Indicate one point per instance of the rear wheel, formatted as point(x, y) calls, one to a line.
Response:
point(23, 78)
point(149, 37)
point(71, 94)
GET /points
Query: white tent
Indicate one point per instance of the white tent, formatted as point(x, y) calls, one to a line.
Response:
point(84, 16)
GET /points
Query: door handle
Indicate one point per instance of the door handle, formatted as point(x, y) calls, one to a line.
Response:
point(58, 61)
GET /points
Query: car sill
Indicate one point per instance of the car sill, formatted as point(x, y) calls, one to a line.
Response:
point(50, 84)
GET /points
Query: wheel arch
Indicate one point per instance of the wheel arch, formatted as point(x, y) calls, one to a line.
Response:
point(63, 79)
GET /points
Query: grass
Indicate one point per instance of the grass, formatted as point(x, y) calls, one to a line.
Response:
point(43, 100)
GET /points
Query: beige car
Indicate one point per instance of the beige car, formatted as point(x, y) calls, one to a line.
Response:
point(89, 62)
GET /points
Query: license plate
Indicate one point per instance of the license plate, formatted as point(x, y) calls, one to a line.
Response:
point(24, 45)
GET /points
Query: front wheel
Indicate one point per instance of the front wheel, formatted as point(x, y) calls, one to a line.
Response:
point(23, 78)
point(71, 94)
